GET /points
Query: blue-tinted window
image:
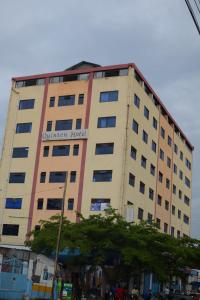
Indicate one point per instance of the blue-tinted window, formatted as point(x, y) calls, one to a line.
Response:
point(49, 125)
point(135, 126)
point(10, 229)
point(66, 100)
point(75, 150)
point(46, 151)
point(26, 104)
point(145, 137)
point(73, 176)
point(109, 96)
point(20, 152)
point(105, 122)
point(99, 204)
point(17, 177)
point(146, 112)
point(52, 102)
point(104, 148)
point(61, 150)
point(23, 127)
point(42, 177)
point(78, 123)
point(70, 205)
point(54, 203)
point(63, 125)
point(57, 177)
point(155, 123)
point(136, 101)
point(13, 203)
point(40, 203)
point(102, 175)
point(81, 99)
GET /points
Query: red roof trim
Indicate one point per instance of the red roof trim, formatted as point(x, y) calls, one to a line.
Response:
point(105, 68)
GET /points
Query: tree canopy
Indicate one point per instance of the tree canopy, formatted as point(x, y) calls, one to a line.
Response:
point(108, 240)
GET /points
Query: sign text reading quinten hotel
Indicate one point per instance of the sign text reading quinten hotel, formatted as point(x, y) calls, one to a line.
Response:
point(65, 135)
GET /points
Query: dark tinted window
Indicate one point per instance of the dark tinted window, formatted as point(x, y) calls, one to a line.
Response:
point(13, 203)
point(54, 204)
point(133, 153)
point(70, 204)
point(102, 175)
point(62, 150)
point(66, 100)
point(10, 229)
point(57, 176)
point(63, 125)
point(17, 177)
point(20, 152)
point(26, 104)
point(40, 203)
point(42, 177)
point(46, 151)
point(72, 176)
point(135, 126)
point(52, 102)
point(49, 125)
point(131, 179)
point(78, 123)
point(108, 96)
point(136, 101)
point(81, 99)
point(104, 148)
point(105, 122)
point(75, 150)
point(23, 127)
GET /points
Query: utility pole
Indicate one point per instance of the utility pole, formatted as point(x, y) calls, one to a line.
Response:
point(59, 237)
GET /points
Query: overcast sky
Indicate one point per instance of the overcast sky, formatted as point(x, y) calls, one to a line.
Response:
point(158, 35)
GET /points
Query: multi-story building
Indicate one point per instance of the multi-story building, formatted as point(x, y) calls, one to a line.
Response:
point(105, 134)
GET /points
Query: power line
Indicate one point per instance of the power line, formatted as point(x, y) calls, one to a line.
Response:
point(193, 15)
point(197, 5)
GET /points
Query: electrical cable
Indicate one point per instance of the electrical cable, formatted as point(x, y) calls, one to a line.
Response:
point(193, 15)
point(197, 5)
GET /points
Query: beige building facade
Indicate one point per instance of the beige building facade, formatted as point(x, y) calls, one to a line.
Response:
point(104, 133)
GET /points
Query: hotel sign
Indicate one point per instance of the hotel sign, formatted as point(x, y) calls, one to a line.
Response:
point(80, 134)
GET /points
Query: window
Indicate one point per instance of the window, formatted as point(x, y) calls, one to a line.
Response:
point(136, 101)
point(169, 141)
point(149, 218)
point(153, 146)
point(155, 123)
point(49, 125)
point(142, 187)
point(23, 127)
point(143, 162)
point(175, 169)
point(158, 223)
point(70, 204)
point(52, 102)
point(167, 183)
point(133, 153)
point(73, 176)
point(188, 164)
point(160, 177)
point(20, 152)
point(78, 123)
point(13, 203)
point(66, 100)
point(186, 219)
point(42, 177)
point(145, 137)
point(179, 213)
point(187, 182)
point(135, 126)
point(152, 170)
point(162, 155)
point(146, 112)
point(186, 200)
point(174, 189)
point(165, 228)
point(172, 231)
point(104, 148)
point(57, 177)
point(108, 96)
point(81, 99)
point(10, 229)
point(40, 203)
point(61, 150)
point(54, 203)
point(166, 205)
point(106, 122)
point(99, 204)
point(173, 210)
point(140, 213)
point(63, 125)
point(181, 174)
point(18, 177)
point(102, 175)
point(178, 234)
point(180, 193)
point(75, 150)
point(181, 155)
point(30, 82)
point(26, 104)
point(151, 193)
point(159, 200)
point(175, 148)
point(168, 162)
point(46, 151)
point(162, 132)
point(131, 179)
